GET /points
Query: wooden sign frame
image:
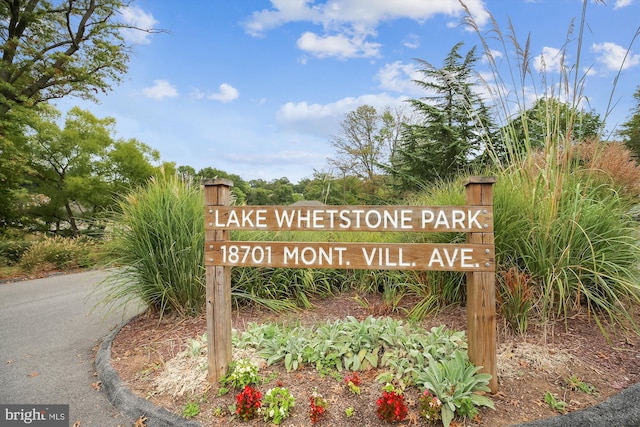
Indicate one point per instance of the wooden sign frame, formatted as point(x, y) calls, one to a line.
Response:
point(476, 257)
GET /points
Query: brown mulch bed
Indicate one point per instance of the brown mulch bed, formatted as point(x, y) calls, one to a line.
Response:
point(529, 366)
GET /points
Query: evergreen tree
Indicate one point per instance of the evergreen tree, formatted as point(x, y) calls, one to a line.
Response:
point(452, 123)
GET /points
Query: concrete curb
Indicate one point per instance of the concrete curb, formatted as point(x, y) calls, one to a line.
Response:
point(130, 404)
point(621, 410)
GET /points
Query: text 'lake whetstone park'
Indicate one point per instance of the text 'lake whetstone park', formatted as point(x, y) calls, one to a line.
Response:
point(410, 256)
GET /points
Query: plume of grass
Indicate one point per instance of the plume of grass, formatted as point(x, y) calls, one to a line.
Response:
point(556, 218)
point(158, 246)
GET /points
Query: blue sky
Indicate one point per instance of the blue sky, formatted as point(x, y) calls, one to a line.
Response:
point(259, 87)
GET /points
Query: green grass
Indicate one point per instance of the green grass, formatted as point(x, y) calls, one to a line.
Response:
point(158, 246)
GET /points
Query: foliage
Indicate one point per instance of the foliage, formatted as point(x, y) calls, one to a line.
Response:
point(453, 381)
point(248, 403)
point(240, 187)
point(353, 382)
point(191, 409)
point(576, 383)
point(317, 406)
point(277, 404)
point(55, 49)
point(12, 250)
point(366, 141)
point(554, 403)
point(630, 130)
point(429, 407)
point(241, 374)
point(556, 219)
point(275, 192)
point(576, 241)
point(410, 355)
point(158, 244)
point(79, 168)
point(550, 119)
point(515, 297)
point(56, 253)
point(454, 124)
point(609, 163)
point(391, 406)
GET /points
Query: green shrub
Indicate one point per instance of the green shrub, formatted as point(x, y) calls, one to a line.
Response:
point(158, 246)
point(55, 253)
point(11, 251)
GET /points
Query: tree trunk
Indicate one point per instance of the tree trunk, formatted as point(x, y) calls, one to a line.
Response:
point(72, 220)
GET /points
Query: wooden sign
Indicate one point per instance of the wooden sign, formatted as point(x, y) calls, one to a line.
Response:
point(373, 256)
point(476, 257)
point(351, 218)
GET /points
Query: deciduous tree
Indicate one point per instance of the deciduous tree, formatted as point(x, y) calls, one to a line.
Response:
point(77, 171)
point(51, 49)
point(630, 130)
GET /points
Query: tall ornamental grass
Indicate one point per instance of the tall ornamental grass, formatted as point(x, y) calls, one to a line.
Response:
point(158, 248)
point(560, 220)
point(578, 243)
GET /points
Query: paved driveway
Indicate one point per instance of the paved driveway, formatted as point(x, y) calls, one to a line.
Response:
point(48, 330)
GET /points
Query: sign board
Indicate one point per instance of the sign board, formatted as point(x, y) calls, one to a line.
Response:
point(475, 257)
point(351, 218)
point(372, 256)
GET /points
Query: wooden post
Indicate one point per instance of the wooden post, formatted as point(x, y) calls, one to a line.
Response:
point(481, 291)
point(218, 289)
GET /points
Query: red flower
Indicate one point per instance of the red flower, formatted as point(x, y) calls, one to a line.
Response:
point(391, 406)
point(248, 402)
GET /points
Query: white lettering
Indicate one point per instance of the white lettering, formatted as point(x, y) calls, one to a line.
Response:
point(458, 217)
point(368, 257)
point(435, 258)
point(285, 218)
point(442, 220)
point(378, 220)
point(466, 255)
point(427, 217)
point(405, 221)
point(474, 219)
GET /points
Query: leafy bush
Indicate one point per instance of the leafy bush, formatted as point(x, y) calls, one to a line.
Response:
point(11, 251)
point(277, 404)
point(55, 253)
point(456, 383)
point(410, 356)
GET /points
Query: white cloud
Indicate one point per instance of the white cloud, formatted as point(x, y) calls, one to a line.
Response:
point(324, 119)
point(226, 94)
point(357, 12)
point(135, 17)
point(339, 46)
point(399, 77)
point(551, 59)
point(412, 41)
point(614, 57)
point(160, 89)
point(622, 3)
point(348, 23)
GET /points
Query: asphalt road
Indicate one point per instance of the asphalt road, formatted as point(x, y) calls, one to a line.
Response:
point(48, 330)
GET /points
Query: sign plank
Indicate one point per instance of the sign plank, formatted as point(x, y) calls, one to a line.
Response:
point(373, 256)
point(351, 218)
